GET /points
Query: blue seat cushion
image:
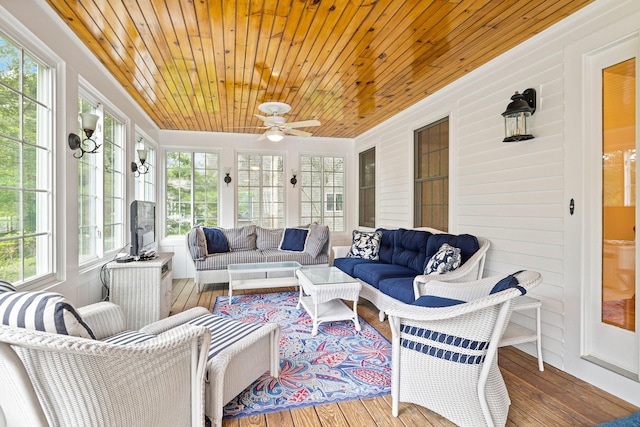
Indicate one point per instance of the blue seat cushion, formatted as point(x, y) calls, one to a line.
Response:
point(348, 264)
point(410, 249)
point(374, 273)
point(400, 288)
point(387, 243)
point(467, 243)
point(434, 301)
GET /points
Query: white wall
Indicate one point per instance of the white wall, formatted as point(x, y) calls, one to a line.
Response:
point(228, 146)
point(514, 194)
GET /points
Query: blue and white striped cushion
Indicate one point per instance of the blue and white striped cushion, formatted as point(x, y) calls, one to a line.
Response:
point(443, 346)
point(129, 337)
point(42, 311)
point(6, 287)
point(224, 331)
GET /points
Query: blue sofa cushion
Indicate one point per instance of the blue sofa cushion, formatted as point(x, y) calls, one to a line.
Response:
point(433, 301)
point(411, 249)
point(387, 243)
point(374, 273)
point(467, 243)
point(400, 288)
point(348, 264)
point(216, 240)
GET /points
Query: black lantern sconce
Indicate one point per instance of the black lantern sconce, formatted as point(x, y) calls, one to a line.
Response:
point(143, 168)
point(294, 179)
point(517, 116)
point(89, 124)
point(227, 176)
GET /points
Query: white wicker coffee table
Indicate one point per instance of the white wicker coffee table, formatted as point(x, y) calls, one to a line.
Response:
point(322, 290)
point(261, 269)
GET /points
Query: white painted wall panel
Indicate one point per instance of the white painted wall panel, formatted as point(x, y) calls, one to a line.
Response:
point(513, 194)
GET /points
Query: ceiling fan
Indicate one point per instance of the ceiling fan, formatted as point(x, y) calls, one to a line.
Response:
point(277, 125)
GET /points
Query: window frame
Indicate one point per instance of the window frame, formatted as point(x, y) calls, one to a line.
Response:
point(314, 183)
point(277, 187)
point(366, 189)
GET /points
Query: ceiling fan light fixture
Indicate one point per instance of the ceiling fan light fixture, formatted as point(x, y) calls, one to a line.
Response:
point(274, 135)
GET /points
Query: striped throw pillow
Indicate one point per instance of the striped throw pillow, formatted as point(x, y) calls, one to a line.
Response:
point(42, 311)
point(6, 287)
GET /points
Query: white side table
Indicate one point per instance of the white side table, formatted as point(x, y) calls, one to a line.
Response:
point(322, 290)
point(516, 334)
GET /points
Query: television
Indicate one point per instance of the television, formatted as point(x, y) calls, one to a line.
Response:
point(143, 228)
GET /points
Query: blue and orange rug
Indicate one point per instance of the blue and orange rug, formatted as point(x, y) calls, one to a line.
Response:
point(338, 364)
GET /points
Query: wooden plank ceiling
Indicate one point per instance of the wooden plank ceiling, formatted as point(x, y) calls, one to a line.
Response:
point(206, 65)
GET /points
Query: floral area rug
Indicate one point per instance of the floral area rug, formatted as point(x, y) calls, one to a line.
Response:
point(338, 364)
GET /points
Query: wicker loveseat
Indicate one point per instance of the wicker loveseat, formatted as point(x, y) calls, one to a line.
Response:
point(402, 258)
point(212, 249)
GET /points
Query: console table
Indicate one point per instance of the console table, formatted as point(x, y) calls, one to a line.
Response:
point(142, 289)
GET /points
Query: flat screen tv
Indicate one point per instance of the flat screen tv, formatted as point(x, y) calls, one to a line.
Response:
point(143, 227)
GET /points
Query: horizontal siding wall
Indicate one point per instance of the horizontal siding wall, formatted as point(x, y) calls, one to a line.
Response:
point(511, 193)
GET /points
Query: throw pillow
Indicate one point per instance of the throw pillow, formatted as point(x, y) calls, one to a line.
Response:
point(6, 287)
point(511, 281)
point(216, 240)
point(197, 243)
point(318, 237)
point(434, 301)
point(446, 259)
point(268, 238)
point(42, 311)
point(365, 244)
point(241, 239)
point(294, 239)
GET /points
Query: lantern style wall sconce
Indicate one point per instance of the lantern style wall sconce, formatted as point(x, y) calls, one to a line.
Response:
point(143, 168)
point(227, 176)
point(294, 179)
point(89, 123)
point(517, 116)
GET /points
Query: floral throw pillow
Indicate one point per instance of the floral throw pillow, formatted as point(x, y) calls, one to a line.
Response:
point(365, 244)
point(446, 259)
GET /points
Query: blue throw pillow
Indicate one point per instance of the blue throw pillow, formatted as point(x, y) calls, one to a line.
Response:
point(511, 281)
point(433, 301)
point(446, 259)
point(216, 240)
point(365, 245)
point(294, 239)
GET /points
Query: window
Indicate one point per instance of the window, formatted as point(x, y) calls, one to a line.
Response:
point(431, 182)
point(322, 180)
point(367, 214)
point(145, 184)
point(261, 190)
point(26, 138)
point(192, 191)
point(101, 212)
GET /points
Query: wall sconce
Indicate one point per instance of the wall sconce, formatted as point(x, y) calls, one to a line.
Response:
point(293, 179)
point(518, 115)
point(143, 168)
point(227, 176)
point(89, 123)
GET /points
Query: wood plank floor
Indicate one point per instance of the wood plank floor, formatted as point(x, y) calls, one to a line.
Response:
point(549, 398)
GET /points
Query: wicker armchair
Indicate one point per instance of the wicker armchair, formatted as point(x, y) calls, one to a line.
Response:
point(445, 358)
point(61, 380)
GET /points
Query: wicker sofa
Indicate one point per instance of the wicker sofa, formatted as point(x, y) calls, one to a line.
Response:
point(250, 244)
point(403, 255)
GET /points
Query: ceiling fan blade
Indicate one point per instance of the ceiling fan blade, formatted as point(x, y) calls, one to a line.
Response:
point(303, 124)
point(297, 132)
point(262, 137)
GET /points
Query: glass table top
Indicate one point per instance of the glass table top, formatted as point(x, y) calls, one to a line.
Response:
point(264, 266)
point(327, 276)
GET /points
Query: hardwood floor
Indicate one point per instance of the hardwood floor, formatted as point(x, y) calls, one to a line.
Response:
point(549, 398)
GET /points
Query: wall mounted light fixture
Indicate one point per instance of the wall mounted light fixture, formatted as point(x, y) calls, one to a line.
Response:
point(89, 123)
point(227, 176)
point(143, 168)
point(294, 179)
point(517, 116)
